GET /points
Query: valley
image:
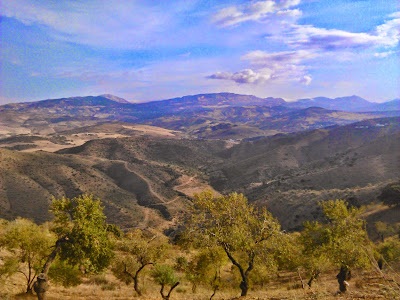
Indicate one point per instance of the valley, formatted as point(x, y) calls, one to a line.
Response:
point(199, 150)
point(146, 161)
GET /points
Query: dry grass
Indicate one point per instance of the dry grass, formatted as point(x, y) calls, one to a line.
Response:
point(364, 285)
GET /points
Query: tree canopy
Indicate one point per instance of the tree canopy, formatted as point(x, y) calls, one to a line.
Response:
point(135, 251)
point(390, 194)
point(29, 244)
point(243, 231)
point(82, 237)
point(341, 240)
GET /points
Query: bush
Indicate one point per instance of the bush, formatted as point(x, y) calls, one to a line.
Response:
point(181, 263)
point(390, 194)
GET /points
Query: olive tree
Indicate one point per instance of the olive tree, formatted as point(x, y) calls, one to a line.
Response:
point(241, 230)
point(389, 251)
point(135, 251)
point(205, 268)
point(342, 239)
point(29, 245)
point(164, 275)
point(390, 194)
point(314, 256)
point(82, 237)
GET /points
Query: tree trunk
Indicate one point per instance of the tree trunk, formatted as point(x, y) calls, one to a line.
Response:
point(314, 276)
point(136, 278)
point(301, 279)
point(41, 285)
point(343, 276)
point(214, 292)
point(166, 297)
point(380, 263)
point(136, 284)
point(244, 286)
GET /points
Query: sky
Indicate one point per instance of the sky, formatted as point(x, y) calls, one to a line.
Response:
point(154, 50)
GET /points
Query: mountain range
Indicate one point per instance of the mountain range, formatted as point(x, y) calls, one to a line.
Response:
point(146, 160)
point(222, 115)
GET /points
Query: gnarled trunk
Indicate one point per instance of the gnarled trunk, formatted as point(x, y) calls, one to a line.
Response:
point(166, 297)
point(343, 276)
point(41, 285)
point(136, 277)
point(313, 277)
point(244, 285)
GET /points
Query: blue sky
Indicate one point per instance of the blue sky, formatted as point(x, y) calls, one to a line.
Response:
point(152, 50)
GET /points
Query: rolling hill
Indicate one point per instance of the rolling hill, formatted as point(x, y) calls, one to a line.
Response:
point(222, 115)
point(148, 181)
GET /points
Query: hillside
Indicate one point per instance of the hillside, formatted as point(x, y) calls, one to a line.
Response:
point(351, 103)
point(357, 144)
point(138, 179)
point(147, 181)
point(78, 136)
point(198, 115)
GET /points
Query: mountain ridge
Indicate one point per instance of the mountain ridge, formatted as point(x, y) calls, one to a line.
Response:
point(214, 115)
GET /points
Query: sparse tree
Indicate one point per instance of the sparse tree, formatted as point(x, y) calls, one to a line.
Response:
point(205, 268)
point(82, 238)
point(29, 244)
point(390, 194)
point(314, 256)
point(385, 230)
point(242, 231)
point(164, 275)
point(137, 250)
point(389, 251)
point(342, 240)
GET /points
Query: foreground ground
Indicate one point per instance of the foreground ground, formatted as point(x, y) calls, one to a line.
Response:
point(364, 285)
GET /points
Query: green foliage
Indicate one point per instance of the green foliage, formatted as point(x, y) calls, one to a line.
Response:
point(241, 230)
point(386, 230)
point(287, 253)
point(164, 275)
point(204, 268)
point(82, 221)
point(65, 274)
point(341, 241)
point(9, 267)
point(390, 194)
point(231, 222)
point(263, 270)
point(29, 245)
point(136, 250)
point(181, 263)
point(390, 250)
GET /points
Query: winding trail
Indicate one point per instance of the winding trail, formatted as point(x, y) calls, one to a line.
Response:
point(154, 193)
point(184, 183)
point(146, 217)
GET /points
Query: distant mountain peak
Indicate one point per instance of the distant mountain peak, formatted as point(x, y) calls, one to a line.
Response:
point(348, 103)
point(114, 98)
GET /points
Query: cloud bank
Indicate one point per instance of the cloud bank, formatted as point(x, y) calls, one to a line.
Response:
point(255, 11)
point(307, 42)
point(268, 67)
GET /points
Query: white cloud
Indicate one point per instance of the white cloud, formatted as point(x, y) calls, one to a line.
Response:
point(121, 25)
point(290, 13)
point(308, 36)
point(306, 80)
point(278, 67)
point(255, 11)
point(384, 54)
point(390, 31)
point(395, 15)
point(245, 76)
